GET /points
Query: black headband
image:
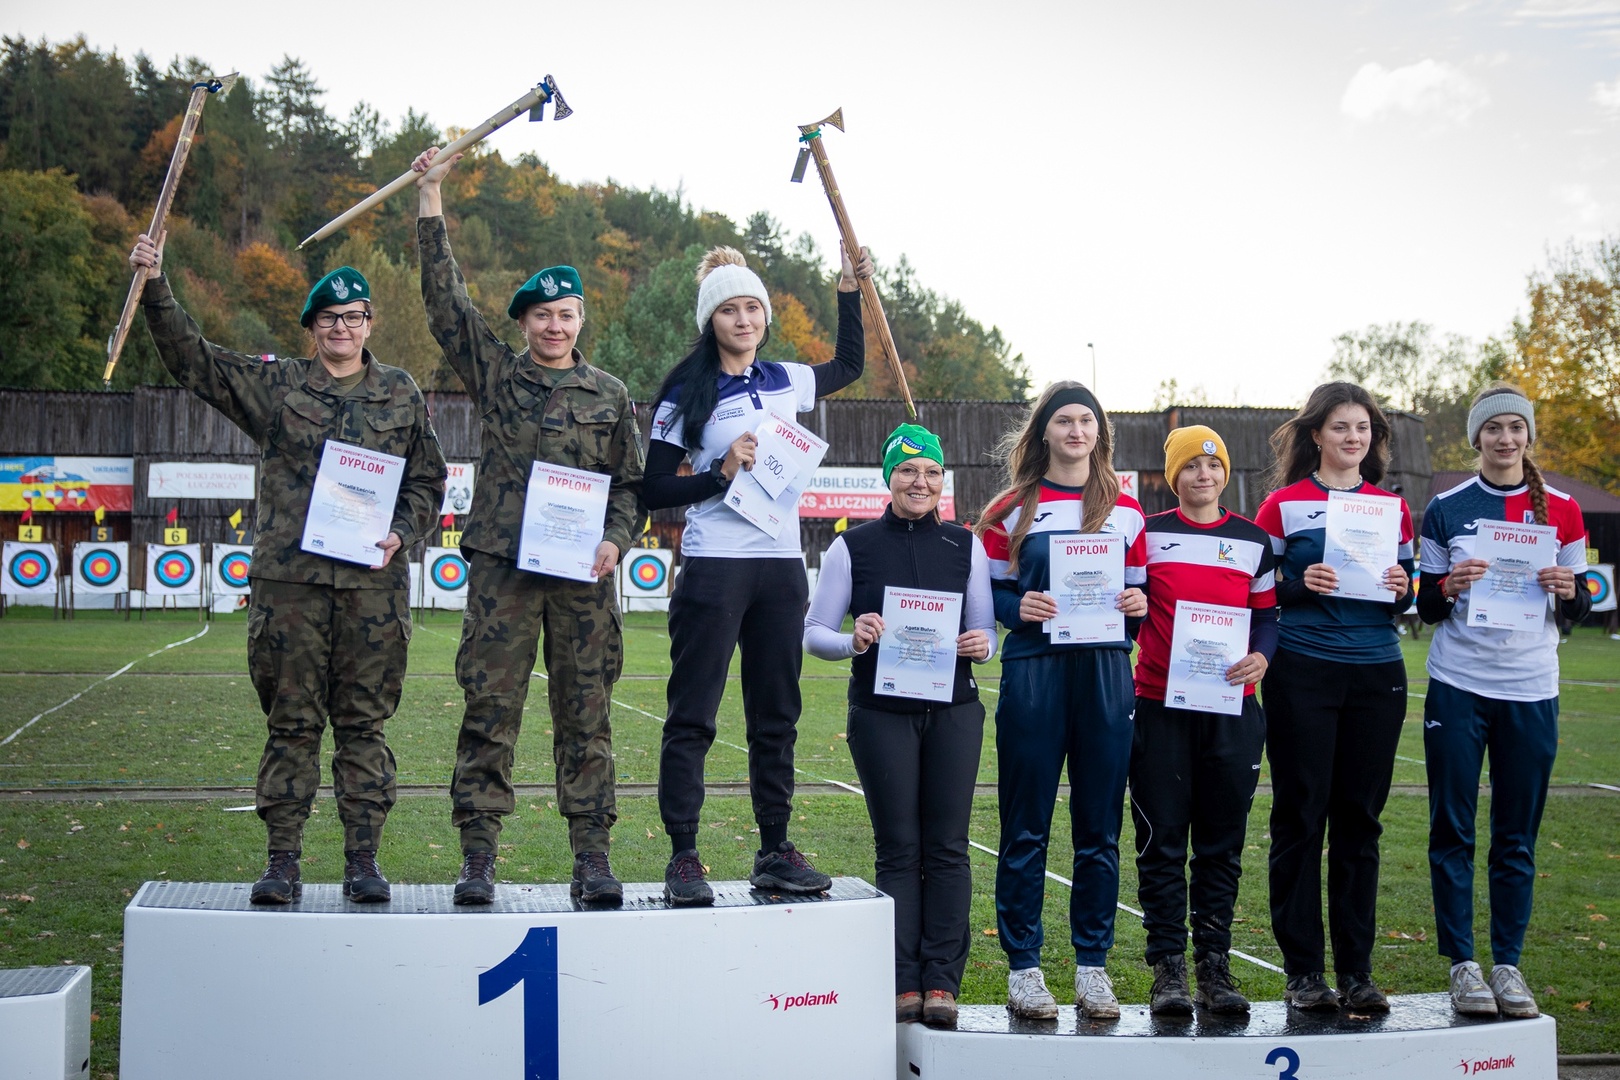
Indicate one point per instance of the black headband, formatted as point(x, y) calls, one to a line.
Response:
point(1075, 395)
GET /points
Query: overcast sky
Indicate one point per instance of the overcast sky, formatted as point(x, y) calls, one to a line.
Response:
point(1206, 192)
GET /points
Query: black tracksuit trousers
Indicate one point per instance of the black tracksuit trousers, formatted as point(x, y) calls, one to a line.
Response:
point(1192, 774)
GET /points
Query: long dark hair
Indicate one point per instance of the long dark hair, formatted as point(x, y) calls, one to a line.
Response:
point(1026, 456)
point(1295, 454)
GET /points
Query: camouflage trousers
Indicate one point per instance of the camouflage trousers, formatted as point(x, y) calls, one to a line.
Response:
point(318, 655)
point(508, 613)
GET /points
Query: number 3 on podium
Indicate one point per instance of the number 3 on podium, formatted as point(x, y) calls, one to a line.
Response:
point(534, 964)
point(1290, 1063)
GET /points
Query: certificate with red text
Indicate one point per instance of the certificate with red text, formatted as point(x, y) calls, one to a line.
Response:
point(917, 652)
point(563, 516)
point(351, 508)
point(1085, 573)
point(1206, 640)
point(1509, 596)
point(785, 458)
point(1363, 540)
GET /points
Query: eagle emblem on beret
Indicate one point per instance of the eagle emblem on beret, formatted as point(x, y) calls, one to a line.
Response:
point(548, 285)
point(340, 290)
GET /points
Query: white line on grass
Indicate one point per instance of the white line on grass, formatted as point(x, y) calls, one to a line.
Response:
point(98, 682)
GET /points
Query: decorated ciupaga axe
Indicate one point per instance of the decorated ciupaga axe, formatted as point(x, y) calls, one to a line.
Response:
point(810, 136)
point(200, 91)
point(533, 103)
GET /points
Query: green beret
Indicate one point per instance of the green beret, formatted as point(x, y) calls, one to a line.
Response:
point(909, 441)
point(341, 286)
point(552, 283)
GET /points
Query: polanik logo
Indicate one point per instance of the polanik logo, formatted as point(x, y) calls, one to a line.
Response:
point(784, 1002)
point(1471, 1068)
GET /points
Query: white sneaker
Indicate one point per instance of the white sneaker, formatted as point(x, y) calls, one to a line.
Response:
point(1513, 997)
point(1027, 995)
point(1094, 994)
point(1469, 994)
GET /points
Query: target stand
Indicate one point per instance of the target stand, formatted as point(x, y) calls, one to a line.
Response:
point(1420, 1039)
point(534, 985)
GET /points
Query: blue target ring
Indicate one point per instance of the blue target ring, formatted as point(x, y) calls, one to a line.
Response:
point(233, 569)
point(174, 569)
point(449, 572)
point(648, 572)
point(29, 569)
point(100, 566)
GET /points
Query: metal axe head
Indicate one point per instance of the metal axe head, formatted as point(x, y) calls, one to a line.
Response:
point(836, 120)
point(559, 107)
point(225, 83)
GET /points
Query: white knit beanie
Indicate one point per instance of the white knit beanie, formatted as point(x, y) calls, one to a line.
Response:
point(1500, 404)
point(725, 283)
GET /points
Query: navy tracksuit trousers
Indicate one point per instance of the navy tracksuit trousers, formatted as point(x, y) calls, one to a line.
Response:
point(1459, 729)
point(1074, 706)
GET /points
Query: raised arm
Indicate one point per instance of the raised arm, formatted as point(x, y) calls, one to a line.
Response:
point(849, 353)
point(470, 346)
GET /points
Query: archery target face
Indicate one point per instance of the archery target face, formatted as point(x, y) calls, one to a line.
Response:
point(1600, 583)
point(174, 569)
point(29, 569)
point(449, 572)
point(100, 566)
point(233, 569)
point(646, 574)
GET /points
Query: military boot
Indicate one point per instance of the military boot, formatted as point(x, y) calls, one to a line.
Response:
point(1217, 989)
point(476, 885)
point(363, 880)
point(594, 882)
point(1170, 995)
point(281, 882)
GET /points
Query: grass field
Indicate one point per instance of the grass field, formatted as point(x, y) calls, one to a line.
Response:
point(187, 718)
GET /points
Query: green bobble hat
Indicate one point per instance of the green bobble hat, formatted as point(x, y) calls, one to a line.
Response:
point(341, 286)
point(552, 283)
point(910, 441)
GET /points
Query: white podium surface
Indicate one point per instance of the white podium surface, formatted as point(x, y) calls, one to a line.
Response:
point(1421, 1039)
point(45, 1023)
point(534, 986)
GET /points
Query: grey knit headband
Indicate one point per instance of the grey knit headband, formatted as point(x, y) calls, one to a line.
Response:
point(1500, 404)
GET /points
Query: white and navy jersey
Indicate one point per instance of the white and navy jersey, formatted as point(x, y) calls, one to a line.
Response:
point(713, 529)
point(1511, 665)
point(1323, 626)
point(1057, 511)
point(1227, 562)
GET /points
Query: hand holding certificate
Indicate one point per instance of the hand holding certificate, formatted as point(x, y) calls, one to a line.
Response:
point(1509, 596)
point(351, 509)
point(917, 652)
point(1362, 541)
point(563, 515)
point(785, 458)
point(1207, 640)
point(1086, 574)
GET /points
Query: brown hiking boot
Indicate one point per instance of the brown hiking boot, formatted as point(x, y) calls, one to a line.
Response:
point(477, 882)
point(281, 882)
point(363, 880)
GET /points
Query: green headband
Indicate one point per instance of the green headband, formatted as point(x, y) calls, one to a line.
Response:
point(910, 441)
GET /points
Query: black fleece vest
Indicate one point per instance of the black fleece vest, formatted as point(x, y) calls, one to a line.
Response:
point(920, 554)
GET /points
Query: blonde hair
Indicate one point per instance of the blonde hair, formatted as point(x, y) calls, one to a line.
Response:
point(717, 257)
point(1027, 457)
point(1535, 485)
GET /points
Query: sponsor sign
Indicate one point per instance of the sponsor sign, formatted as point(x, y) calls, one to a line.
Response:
point(837, 491)
point(67, 484)
point(458, 488)
point(199, 480)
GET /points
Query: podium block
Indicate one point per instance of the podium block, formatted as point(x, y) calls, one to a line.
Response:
point(45, 1023)
point(1421, 1038)
point(534, 986)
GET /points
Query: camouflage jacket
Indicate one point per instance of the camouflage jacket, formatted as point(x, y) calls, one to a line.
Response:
point(585, 422)
point(290, 409)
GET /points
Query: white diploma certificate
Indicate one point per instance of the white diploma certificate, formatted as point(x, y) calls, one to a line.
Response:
point(917, 652)
point(1085, 573)
point(784, 460)
point(1509, 597)
point(1363, 540)
point(563, 514)
point(1207, 639)
point(351, 509)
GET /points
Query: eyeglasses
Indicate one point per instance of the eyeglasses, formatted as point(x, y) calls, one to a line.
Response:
point(352, 319)
point(909, 474)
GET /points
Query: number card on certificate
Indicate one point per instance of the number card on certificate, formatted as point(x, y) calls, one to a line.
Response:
point(564, 511)
point(917, 653)
point(1362, 541)
point(1509, 597)
point(351, 509)
point(784, 460)
point(1207, 639)
point(1086, 572)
